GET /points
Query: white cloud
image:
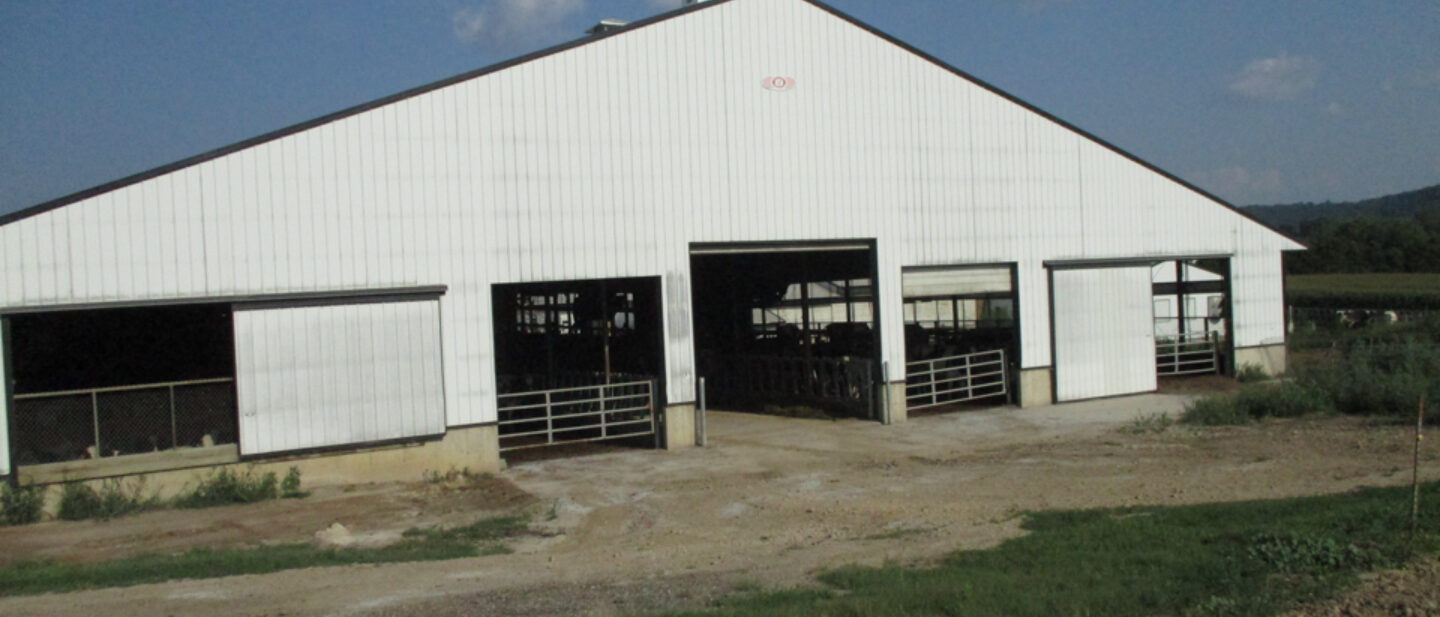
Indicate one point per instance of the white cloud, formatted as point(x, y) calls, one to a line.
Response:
point(1240, 185)
point(1281, 78)
point(503, 23)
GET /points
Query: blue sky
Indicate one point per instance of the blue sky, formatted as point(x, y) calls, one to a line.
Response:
point(1258, 102)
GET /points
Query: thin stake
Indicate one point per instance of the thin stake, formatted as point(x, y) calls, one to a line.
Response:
point(1415, 468)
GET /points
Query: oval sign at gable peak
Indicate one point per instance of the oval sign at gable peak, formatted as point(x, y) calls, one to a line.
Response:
point(779, 84)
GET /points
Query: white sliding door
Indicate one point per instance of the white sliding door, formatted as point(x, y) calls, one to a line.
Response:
point(319, 376)
point(1104, 332)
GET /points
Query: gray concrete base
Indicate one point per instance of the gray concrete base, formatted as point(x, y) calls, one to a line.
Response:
point(898, 412)
point(1272, 358)
point(474, 448)
point(679, 426)
point(1035, 387)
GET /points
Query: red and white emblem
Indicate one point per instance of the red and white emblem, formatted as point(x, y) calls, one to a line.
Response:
point(779, 84)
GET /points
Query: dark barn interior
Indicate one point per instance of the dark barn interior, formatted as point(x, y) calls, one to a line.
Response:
point(578, 360)
point(92, 383)
point(787, 332)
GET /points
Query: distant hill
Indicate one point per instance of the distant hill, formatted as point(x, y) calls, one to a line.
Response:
point(1293, 218)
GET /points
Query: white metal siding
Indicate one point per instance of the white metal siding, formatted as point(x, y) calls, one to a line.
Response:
point(309, 377)
point(1104, 332)
point(608, 159)
point(956, 281)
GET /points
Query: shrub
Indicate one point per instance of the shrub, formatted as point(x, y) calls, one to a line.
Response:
point(225, 487)
point(1377, 379)
point(20, 505)
point(1250, 373)
point(79, 501)
point(1256, 401)
point(1214, 410)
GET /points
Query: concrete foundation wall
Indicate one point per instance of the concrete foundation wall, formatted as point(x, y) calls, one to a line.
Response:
point(895, 399)
point(1036, 387)
point(475, 448)
point(679, 426)
point(1272, 358)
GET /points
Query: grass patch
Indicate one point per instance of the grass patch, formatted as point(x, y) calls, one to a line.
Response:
point(1240, 559)
point(479, 539)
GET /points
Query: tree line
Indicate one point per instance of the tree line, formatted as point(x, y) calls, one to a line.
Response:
point(1370, 244)
point(1394, 233)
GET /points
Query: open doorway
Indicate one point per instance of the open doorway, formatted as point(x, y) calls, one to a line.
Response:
point(1192, 327)
point(787, 330)
point(578, 361)
point(961, 335)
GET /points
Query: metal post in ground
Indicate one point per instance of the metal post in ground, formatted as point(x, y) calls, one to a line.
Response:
point(885, 392)
point(1415, 468)
point(700, 427)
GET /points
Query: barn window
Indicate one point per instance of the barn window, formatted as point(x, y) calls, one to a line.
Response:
point(92, 384)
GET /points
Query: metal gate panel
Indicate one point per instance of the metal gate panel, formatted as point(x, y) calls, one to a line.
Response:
point(956, 379)
point(575, 415)
point(1104, 332)
point(318, 376)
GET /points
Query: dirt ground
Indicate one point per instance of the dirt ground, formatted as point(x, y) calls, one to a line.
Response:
point(768, 503)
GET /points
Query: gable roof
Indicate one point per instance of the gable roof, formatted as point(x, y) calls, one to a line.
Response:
point(469, 75)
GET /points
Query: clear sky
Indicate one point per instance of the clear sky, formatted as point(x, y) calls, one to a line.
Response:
point(1257, 101)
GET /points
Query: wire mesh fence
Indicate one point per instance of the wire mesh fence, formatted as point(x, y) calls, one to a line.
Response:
point(55, 427)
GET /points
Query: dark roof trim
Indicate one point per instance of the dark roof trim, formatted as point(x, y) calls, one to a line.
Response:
point(255, 301)
point(42, 208)
point(1124, 262)
point(698, 6)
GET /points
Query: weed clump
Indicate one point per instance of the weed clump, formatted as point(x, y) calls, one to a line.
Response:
point(80, 501)
point(1294, 553)
point(1157, 422)
point(20, 505)
point(226, 487)
point(290, 485)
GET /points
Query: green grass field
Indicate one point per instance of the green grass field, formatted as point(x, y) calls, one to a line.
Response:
point(1380, 291)
point(1231, 559)
point(1422, 283)
point(481, 538)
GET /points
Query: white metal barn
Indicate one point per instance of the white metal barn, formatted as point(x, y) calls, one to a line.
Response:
point(764, 193)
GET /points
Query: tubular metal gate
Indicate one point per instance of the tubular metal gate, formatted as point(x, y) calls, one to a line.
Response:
point(575, 415)
point(1187, 354)
point(955, 379)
